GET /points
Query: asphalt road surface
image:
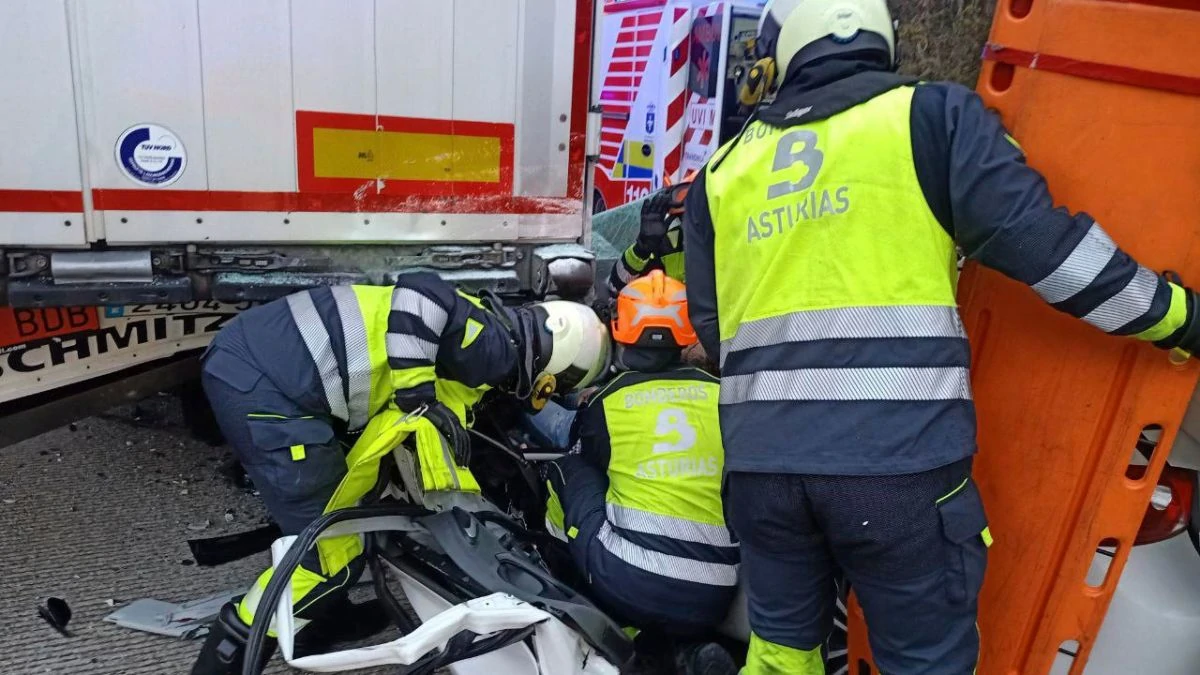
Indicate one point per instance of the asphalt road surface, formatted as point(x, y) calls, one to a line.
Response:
point(98, 513)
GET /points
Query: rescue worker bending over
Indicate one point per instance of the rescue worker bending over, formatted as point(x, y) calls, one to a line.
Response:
point(659, 244)
point(290, 380)
point(821, 264)
point(640, 502)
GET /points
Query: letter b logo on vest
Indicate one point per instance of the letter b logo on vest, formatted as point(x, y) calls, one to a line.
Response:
point(799, 146)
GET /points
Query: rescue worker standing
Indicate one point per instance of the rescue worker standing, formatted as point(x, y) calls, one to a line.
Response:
point(821, 264)
point(290, 379)
point(640, 504)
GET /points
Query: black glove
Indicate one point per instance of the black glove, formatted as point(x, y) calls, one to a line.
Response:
point(458, 438)
point(447, 424)
point(1187, 337)
point(652, 237)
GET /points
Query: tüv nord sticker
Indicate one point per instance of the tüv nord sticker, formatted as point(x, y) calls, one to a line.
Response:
point(151, 155)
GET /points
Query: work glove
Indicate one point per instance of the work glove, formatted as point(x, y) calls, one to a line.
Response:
point(1187, 337)
point(652, 237)
point(447, 424)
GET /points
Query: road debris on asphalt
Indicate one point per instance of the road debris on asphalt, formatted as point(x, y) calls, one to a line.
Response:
point(185, 620)
point(57, 613)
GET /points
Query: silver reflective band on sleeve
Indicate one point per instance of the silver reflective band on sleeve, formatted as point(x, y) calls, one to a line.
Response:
point(623, 272)
point(316, 339)
point(666, 565)
point(358, 356)
point(410, 347)
point(429, 312)
point(895, 321)
point(1131, 303)
point(1080, 268)
point(848, 384)
point(680, 529)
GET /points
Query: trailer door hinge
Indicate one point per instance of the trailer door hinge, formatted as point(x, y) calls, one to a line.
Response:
point(27, 264)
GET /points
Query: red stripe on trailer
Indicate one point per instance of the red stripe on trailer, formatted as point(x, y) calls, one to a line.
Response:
point(301, 202)
point(41, 201)
point(621, 67)
point(649, 19)
point(1090, 70)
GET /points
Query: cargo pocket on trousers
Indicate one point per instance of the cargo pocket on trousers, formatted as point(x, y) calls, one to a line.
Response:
point(231, 370)
point(299, 452)
point(965, 528)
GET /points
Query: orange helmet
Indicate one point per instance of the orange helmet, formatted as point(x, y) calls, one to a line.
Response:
point(652, 312)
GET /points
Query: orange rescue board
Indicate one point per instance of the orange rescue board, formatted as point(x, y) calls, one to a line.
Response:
point(1104, 96)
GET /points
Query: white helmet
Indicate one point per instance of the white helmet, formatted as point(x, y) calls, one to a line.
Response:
point(567, 348)
point(794, 32)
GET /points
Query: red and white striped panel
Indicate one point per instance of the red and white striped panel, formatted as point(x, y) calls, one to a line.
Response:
point(631, 52)
point(701, 135)
point(696, 134)
point(677, 47)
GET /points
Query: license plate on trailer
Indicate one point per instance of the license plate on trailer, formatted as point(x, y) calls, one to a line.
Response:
point(21, 325)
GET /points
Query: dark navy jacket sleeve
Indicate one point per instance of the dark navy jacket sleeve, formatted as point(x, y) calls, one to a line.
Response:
point(999, 211)
point(699, 267)
point(590, 435)
point(436, 331)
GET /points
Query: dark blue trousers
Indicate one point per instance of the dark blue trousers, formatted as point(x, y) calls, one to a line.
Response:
point(914, 548)
point(292, 454)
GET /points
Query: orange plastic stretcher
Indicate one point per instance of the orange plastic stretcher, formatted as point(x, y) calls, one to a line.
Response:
point(1104, 96)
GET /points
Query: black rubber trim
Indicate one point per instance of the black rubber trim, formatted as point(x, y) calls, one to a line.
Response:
point(286, 567)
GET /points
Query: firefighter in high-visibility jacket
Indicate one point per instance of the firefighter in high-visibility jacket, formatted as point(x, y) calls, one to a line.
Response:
point(639, 502)
point(291, 380)
point(821, 267)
